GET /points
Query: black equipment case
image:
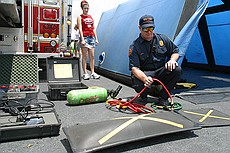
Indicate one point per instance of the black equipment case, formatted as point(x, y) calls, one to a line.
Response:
point(43, 124)
point(63, 75)
point(19, 77)
point(22, 114)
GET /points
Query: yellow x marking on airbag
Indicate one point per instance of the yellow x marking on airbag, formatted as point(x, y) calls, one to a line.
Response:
point(205, 116)
point(133, 119)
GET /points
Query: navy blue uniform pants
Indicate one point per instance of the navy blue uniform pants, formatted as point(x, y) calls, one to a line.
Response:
point(168, 78)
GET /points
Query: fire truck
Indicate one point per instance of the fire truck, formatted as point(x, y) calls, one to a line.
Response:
point(35, 26)
point(39, 27)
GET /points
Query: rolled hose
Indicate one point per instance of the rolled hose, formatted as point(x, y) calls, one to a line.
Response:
point(138, 108)
point(176, 106)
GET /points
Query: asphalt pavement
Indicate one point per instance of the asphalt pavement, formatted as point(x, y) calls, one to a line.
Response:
point(213, 139)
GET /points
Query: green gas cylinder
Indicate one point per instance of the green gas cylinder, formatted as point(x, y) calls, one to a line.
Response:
point(85, 96)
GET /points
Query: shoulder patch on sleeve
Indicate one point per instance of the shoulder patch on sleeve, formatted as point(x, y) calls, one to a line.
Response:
point(130, 51)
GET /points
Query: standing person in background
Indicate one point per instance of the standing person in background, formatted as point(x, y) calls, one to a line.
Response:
point(89, 40)
point(76, 44)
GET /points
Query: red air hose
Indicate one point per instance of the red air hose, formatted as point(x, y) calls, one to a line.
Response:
point(137, 108)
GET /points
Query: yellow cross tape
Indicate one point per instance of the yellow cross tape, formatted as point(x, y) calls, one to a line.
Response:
point(118, 129)
point(164, 121)
point(211, 116)
point(206, 116)
point(133, 119)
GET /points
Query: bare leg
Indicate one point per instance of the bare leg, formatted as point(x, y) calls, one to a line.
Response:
point(91, 57)
point(84, 57)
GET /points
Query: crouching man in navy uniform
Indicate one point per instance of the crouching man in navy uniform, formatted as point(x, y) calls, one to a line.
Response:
point(153, 55)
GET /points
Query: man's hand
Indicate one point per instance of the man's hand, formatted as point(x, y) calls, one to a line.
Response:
point(171, 65)
point(148, 81)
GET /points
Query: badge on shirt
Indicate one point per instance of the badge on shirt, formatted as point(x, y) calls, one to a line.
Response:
point(161, 43)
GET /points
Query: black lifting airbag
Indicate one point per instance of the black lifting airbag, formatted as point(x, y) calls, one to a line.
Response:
point(104, 134)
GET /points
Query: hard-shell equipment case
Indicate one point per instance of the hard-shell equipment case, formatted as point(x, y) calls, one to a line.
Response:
point(19, 77)
point(11, 129)
point(63, 75)
point(18, 91)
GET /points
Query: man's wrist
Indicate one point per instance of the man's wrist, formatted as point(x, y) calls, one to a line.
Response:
point(172, 59)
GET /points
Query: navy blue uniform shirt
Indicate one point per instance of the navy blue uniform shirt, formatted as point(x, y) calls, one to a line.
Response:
point(141, 56)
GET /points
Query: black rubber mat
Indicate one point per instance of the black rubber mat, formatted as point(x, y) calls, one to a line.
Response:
point(207, 117)
point(104, 134)
point(202, 98)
